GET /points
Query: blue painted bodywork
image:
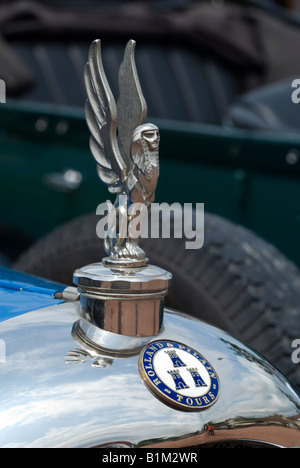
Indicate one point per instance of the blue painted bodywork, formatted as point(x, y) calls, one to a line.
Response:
point(21, 293)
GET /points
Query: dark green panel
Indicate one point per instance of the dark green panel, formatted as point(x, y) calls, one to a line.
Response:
point(248, 177)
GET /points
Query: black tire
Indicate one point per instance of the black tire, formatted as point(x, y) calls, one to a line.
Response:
point(236, 281)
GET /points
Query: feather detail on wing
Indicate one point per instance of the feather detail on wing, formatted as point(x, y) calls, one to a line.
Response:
point(131, 105)
point(101, 117)
point(112, 125)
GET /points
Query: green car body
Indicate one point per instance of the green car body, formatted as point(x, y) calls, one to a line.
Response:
point(249, 177)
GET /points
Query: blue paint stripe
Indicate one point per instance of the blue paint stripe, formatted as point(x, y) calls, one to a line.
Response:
point(17, 286)
point(6, 274)
point(21, 293)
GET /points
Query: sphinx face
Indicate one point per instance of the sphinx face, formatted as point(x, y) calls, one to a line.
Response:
point(151, 137)
point(144, 148)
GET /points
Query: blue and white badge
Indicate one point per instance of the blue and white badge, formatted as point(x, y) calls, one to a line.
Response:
point(179, 376)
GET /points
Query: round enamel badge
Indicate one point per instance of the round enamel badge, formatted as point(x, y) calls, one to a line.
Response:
point(179, 375)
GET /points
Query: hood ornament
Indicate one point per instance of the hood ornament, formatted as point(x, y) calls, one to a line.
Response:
point(124, 146)
point(123, 296)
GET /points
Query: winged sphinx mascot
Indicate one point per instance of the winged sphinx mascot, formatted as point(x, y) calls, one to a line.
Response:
point(124, 146)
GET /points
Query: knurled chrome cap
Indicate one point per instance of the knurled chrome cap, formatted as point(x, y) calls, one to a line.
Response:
point(99, 277)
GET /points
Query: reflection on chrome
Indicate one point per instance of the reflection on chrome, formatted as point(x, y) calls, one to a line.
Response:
point(47, 403)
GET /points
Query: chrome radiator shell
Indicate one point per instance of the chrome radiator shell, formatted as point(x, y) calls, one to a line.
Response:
point(54, 393)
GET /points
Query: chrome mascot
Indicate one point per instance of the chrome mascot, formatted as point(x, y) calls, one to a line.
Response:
point(124, 146)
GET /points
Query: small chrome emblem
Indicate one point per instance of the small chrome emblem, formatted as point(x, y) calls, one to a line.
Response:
point(179, 376)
